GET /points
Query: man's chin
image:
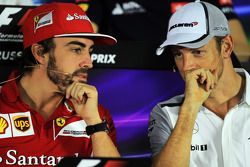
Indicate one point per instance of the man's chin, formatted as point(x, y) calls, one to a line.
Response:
point(80, 80)
point(63, 86)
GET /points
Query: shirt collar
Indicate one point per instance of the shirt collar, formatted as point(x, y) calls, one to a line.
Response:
point(9, 90)
point(246, 94)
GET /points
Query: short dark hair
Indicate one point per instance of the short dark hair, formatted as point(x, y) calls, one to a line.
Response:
point(28, 60)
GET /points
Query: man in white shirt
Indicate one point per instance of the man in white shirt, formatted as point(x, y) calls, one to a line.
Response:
point(207, 126)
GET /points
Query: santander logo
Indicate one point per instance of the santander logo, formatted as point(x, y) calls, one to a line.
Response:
point(69, 17)
point(76, 16)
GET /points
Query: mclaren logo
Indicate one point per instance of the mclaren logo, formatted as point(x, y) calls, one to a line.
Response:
point(21, 123)
point(3, 125)
point(183, 25)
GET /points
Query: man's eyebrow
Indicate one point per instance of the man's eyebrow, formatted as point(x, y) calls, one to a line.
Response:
point(76, 43)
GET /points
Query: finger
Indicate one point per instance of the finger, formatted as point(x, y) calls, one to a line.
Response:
point(203, 76)
point(80, 94)
point(214, 77)
point(69, 89)
point(211, 79)
point(74, 91)
point(204, 79)
point(209, 82)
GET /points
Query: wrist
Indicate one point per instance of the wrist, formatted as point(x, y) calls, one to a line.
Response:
point(93, 121)
point(189, 110)
point(99, 127)
point(191, 105)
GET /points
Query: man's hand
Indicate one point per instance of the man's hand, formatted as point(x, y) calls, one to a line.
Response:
point(199, 84)
point(85, 100)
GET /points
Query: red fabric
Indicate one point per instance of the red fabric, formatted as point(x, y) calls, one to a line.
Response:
point(52, 19)
point(49, 141)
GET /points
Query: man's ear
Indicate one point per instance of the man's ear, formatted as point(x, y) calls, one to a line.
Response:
point(227, 46)
point(37, 51)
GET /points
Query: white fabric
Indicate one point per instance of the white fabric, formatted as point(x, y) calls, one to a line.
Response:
point(215, 142)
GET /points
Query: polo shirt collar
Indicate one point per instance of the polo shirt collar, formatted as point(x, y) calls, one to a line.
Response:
point(246, 94)
point(247, 88)
point(10, 90)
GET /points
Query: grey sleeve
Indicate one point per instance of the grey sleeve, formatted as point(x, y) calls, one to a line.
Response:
point(159, 129)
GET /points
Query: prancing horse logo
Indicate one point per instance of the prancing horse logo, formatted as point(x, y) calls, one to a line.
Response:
point(60, 121)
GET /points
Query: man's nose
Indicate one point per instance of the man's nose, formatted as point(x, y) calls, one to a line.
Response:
point(86, 61)
point(188, 62)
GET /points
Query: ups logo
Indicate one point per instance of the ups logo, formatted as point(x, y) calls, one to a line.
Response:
point(21, 123)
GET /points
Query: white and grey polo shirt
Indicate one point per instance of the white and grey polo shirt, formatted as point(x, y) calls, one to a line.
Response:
point(215, 142)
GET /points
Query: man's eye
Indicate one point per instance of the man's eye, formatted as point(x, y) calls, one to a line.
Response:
point(91, 50)
point(177, 55)
point(77, 50)
point(197, 53)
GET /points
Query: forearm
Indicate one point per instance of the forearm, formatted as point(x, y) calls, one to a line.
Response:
point(103, 145)
point(176, 152)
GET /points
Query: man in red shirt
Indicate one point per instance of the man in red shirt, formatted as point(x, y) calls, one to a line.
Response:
point(47, 109)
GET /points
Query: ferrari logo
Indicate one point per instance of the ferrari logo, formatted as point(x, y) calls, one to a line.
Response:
point(60, 121)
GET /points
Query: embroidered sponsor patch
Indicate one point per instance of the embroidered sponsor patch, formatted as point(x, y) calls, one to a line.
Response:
point(76, 16)
point(3, 125)
point(16, 124)
point(43, 19)
point(5, 129)
point(74, 127)
point(60, 121)
point(21, 124)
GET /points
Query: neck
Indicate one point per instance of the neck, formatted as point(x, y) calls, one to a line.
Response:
point(37, 91)
point(227, 94)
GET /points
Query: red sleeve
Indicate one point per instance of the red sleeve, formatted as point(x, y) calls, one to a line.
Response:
point(105, 115)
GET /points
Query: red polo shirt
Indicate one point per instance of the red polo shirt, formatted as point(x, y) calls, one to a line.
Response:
point(27, 139)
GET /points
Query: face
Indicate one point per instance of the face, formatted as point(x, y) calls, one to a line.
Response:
point(69, 61)
point(207, 57)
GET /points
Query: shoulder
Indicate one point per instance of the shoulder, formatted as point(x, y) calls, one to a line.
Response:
point(173, 102)
point(167, 110)
point(162, 121)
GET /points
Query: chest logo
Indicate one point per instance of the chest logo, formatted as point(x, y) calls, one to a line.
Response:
point(60, 122)
point(21, 123)
point(3, 125)
point(196, 128)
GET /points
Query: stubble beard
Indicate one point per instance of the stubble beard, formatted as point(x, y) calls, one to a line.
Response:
point(60, 78)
